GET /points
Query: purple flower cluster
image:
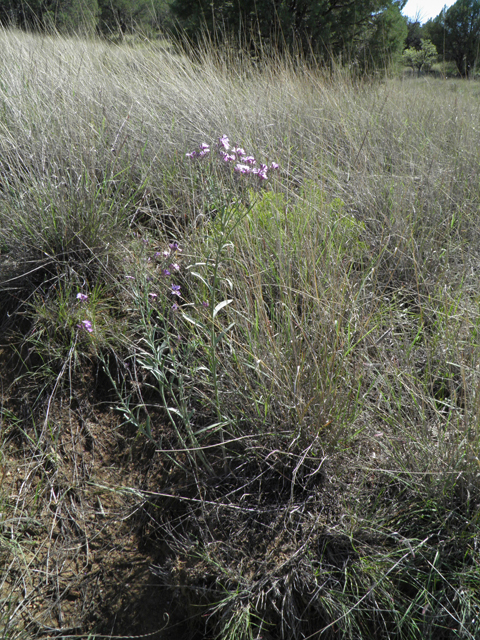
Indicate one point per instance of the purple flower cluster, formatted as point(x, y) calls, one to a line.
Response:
point(87, 325)
point(236, 155)
point(204, 151)
point(169, 254)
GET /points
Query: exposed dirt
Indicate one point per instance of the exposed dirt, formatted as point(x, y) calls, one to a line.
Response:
point(112, 537)
point(71, 529)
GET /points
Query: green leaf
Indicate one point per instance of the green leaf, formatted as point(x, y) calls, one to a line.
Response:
point(222, 333)
point(195, 322)
point(220, 306)
point(197, 275)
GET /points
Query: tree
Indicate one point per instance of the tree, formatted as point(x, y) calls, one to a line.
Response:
point(331, 27)
point(385, 35)
point(414, 34)
point(121, 16)
point(78, 16)
point(421, 58)
point(83, 16)
point(456, 34)
point(71, 16)
point(22, 14)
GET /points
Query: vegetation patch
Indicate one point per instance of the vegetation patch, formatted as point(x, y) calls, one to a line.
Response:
point(239, 354)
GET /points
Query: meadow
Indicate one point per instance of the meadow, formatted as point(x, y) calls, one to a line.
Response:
point(239, 346)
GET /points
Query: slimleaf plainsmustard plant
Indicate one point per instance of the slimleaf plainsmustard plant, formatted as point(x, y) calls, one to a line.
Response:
point(236, 156)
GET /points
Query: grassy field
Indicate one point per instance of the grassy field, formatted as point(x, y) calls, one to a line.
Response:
point(236, 404)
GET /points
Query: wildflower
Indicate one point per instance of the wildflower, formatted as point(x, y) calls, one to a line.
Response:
point(85, 324)
point(82, 297)
point(129, 278)
point(224, 142)
point(175, 307)
point(176, 290)
point(205, 304)
point(166, 253)
point(230, 154)
point(158, 254)
point(192, 154)
point(174, 246)
point(166, 272)
point(175, 266)
point(205, 149)
point(153, 296)
point(243, 168)
point(261, 173)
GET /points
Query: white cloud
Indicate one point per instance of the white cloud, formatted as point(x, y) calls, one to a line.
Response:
point(425, 9)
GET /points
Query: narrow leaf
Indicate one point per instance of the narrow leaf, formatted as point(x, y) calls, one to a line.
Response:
point(222, 333)
point(195, 322)
point(220, 306)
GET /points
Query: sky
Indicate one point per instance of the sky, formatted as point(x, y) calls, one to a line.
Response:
point(425, 9)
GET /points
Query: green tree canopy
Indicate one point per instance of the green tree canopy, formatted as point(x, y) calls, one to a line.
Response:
point(332, 26)
point(384, 37)
point(128, 15)
point(64, 15)
point(421, 58)
point(83, 16)
point(414, 34)
point(456, 34)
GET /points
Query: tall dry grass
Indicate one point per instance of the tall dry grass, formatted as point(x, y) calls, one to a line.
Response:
point(311, 408)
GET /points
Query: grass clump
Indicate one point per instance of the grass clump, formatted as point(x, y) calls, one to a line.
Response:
point(239, 318)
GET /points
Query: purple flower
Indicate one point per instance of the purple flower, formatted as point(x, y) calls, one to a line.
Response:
point(205, 304)
point(239, 151)
point(274, 165)
point(250, 160)
point(85, 324)
point(243, 168)
point(175, 266)
point(152, 296)
point(192, 154)
point(205, 149)
point(261, 173)
point(224, 142)
point(82, 297)
point(174, 246)
point(176, 290)
point(175, 306)
point(228, 158)
point(166, 272)
point(129, 278)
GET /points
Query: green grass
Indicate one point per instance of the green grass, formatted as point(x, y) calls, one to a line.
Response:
point(300, 426)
